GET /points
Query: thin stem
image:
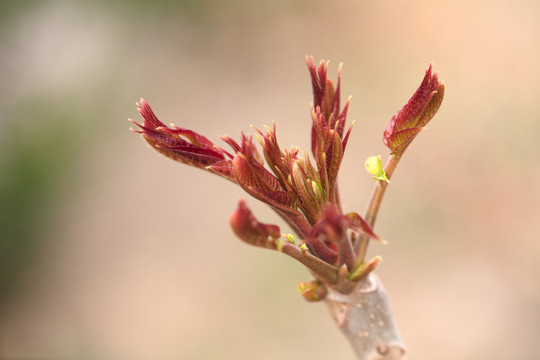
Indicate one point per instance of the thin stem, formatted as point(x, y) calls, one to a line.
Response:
point(374, 205)
point(379, 190)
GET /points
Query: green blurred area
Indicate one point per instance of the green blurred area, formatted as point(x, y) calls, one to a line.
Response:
point(42, 135)
point(10, 8)
point(40, 144)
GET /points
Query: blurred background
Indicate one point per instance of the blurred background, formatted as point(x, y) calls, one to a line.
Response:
point(110, 251)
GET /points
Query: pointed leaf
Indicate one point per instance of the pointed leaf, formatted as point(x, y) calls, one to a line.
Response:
point(176, 143)
point(359, 224)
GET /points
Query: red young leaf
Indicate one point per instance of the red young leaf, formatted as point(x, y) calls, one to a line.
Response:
point(223, 168)
point(273, 154)
point(249, 172)
point(359, 224)
point(249, 230)
point(420, 109)
point(179, 144)
point(326, 98)
point(328, 239)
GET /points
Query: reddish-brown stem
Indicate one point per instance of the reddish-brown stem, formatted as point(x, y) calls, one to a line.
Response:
point(321, 269)
point(374, 205)
point(346, 252)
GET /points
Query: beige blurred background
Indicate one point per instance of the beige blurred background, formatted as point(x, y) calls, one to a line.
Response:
point(110, 251)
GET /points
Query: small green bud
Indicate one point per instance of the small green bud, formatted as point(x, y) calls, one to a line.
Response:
point(290, 237)
point(374, 167)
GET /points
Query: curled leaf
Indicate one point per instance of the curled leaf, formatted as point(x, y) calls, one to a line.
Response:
point(328, 239)
point(251, 231)
point(360, 225)
point(419, 110)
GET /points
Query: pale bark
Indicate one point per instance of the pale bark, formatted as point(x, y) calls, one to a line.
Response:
point(366, 319)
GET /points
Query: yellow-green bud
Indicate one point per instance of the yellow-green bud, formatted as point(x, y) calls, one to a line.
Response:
point(290, 237)
point(374, 167)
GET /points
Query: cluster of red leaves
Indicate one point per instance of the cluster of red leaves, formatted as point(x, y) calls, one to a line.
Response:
point(301, 190)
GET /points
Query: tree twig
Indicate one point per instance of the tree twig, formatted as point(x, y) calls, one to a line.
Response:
point(374, 205)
